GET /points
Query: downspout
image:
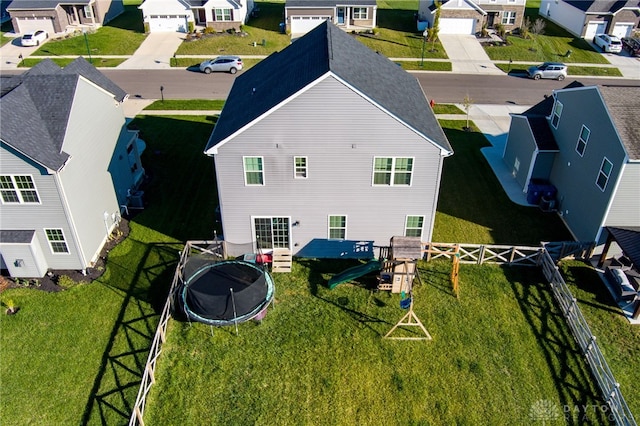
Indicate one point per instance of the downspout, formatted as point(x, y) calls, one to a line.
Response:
point(67, 211)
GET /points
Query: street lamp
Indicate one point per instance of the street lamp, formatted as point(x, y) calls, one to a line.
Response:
point(425, 33)
point(86, 41)
point(162, 93)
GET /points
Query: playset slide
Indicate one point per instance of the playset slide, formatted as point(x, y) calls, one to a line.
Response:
point(354, 272)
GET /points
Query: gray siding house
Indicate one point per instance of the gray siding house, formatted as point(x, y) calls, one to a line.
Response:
point(590, 154)
point(67, 163)
point(301, 16)
point(327, 148)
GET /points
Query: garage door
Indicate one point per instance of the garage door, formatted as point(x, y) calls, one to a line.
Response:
point(304, 24)
point(26, 25)
point(594, 28)
point(622, 30)
point(168, 23)
point(457, 26)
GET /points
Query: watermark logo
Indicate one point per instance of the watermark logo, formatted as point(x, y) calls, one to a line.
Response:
point(545, 410)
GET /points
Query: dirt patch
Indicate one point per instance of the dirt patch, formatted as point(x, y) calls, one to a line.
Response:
point(58, 280)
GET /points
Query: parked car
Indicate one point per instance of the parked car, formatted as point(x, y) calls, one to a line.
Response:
point(608, 43)
point(632, 45)
point(230, 64)
point(34, 38)
point(554, 70)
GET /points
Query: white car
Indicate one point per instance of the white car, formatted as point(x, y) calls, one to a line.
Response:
point(34, 38)
point(608, 43)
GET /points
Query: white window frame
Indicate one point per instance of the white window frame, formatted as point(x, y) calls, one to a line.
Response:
point(361, 13)
point(581, 146)
point(244, 168)
point(62, 241)
point(19, 192)
point(300, 172)
point(556, 114)
point(605, 175)
point(273, 236)
point(88, 11)
point(330, 228)
point(393, 171)
point(509, 17)
point(406, 225)
point(221, 12)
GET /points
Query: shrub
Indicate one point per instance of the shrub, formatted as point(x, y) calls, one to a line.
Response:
point(538, 26)
point(209, 30)
point(191, 26)
point(66, 281)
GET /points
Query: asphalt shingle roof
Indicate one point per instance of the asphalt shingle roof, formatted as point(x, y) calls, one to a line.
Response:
point(327, 49)
point(628, 238)
point(39, 4)
point(17, 237)
point(328, 3)
point(601, 6)
point(35, 113)
point(623, 104)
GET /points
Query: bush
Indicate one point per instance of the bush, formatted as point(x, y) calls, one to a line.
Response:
point(66, 281)
point(209, 30)
point(191, 26)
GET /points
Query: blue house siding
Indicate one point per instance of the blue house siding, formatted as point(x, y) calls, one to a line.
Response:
point(519, 150)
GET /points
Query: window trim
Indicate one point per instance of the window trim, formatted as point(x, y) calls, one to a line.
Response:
point(63, 241)
point(255, 234)
point(329, 227)
point(557, 112)
point(406, 223)
point(222, 10)
point(393, 172)
point(602, 173)
point(360, 13)
point(19, 191)
point(244, 168)
point(509, 17)
point(304, 168)
point(583, 142)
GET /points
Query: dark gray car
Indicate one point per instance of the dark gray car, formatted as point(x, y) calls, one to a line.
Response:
point(554, 70)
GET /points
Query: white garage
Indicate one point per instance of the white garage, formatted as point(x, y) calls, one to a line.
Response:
point(622, 30)
point(594, 28)
point(457, 26)
point(304, 24)
point(26, 25)
point(168, 23)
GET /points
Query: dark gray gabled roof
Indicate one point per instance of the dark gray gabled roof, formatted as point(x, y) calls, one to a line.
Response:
point(35, 113)
point(17, 236)
point(329, 3)
point(327, 49)
point(602, 6)
point(628, 238)
point(623, 104)
point(40, 4)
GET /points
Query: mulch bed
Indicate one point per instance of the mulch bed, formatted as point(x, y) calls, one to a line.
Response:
point(49, 282)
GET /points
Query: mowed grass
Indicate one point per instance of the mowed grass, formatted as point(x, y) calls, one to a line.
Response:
point(63, 62)
point(319, 356)
point(572, 70)
point(192, 105)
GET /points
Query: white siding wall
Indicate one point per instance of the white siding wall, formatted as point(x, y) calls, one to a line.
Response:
point(94, 126)
point(625, 208)
point(567, 16)
point(340, 133)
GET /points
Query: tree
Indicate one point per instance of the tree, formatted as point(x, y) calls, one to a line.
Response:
point(538, 26)
point(435, 29)
point(466, 103)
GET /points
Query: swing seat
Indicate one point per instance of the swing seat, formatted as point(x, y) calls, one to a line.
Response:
point(405, 303)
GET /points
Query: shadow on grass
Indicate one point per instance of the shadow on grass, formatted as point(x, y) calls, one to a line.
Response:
point(574, 384)
point(269, 16)
point(397, 19)
point(130, 20)
point(120, 372)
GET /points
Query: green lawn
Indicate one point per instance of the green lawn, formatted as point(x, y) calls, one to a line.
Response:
point(318, 355)
point(572, 70)
point(63, 62)
point(192, 104)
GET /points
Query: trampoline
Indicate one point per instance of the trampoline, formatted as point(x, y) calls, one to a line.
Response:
point(226, 293)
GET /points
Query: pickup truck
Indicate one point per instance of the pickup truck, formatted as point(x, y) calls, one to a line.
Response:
point(632, 45)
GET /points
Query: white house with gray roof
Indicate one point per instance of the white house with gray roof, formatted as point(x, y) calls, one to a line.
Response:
point(67, 166)
point(585, 141)
point(327, 148)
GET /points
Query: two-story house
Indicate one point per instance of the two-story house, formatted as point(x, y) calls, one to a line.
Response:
point(327, 147)
point(183, 15)
point(586, 18)
point(470, 16)
point(67, 166)
point(302, 16)
point(585, 141)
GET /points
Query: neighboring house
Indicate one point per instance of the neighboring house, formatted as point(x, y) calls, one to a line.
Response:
point(586, 18)
point(67, 164)
point(184, 15)
point(57, 16)
point(469, 16)
point(326, 148)
point(585, 141)
point(301, 16)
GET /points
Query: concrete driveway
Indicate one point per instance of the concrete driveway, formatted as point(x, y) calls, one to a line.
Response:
point(466, 55)
point(155, 51)
point(10, 53)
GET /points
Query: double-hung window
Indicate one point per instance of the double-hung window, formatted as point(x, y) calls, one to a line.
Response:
point(253, 171)
point(509, 17)
point(337, 227)
point(300, 167)
point(583, 139)
point(557, 112)
point(18, 189)
point(359, 13)
point(392, 171)
point(413, 226)
point(603, 175)
point(223, 14)
point(56, 241)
